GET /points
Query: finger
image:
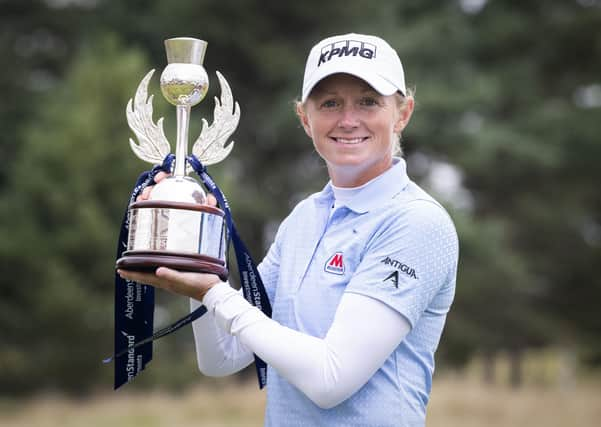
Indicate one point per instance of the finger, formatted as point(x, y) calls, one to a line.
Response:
point(193, 285)
point(140, 277)
point(158, 282)
point(145, 193)
point(170, 274)
point(160, 176)
point(176, 282)
point(187, 278)
point(211, 200)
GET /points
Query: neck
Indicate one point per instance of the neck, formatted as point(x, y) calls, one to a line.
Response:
point(355, 176)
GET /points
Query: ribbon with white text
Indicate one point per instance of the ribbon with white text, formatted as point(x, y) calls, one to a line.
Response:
point(251, 282)
point(134, 302)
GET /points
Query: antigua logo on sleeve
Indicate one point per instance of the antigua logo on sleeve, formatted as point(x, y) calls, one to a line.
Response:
point(335, 264)
point(402, 267)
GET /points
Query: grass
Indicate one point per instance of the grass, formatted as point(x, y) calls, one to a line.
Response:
point(454, 402)
point(457, 402)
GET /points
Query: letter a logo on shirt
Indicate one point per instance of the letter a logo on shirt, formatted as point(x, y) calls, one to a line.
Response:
point(335, 264)
point(394, 277)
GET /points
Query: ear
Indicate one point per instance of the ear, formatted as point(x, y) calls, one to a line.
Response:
point(304, 120)
point(405, 112)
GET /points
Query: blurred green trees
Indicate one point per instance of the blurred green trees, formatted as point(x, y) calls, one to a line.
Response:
point(505, 134)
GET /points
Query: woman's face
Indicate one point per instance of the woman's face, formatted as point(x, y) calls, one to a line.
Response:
point(353, 128)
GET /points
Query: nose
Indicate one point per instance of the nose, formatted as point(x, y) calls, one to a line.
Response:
point(349, 119)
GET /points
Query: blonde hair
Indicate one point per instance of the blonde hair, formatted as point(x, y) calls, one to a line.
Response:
point(397, 149)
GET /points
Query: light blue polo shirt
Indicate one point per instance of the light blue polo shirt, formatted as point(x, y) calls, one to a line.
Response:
point(392, 242)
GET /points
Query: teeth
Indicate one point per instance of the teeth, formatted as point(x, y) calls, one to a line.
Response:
point(349, 141)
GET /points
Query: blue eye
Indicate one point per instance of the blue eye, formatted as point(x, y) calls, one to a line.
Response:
point(330, 103)
point(368, 101)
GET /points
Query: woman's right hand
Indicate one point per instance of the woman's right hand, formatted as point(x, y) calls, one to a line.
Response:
point(146, 192)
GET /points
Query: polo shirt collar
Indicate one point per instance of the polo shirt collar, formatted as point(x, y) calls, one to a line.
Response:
point(377, 192)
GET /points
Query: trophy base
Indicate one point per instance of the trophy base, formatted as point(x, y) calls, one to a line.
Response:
point(148, 261)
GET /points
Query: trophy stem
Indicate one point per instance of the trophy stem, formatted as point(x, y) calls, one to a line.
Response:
point(181, 147)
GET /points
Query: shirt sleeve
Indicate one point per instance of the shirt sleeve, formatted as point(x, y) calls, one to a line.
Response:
point(327, 370)
point(409, 260)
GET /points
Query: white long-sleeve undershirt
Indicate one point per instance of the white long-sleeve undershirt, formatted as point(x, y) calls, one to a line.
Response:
point(363, 334)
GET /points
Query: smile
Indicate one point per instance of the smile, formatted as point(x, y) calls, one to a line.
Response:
point(350, 141)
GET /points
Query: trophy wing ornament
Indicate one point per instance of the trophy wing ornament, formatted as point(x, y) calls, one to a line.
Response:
point(152, 144)
point(210, 146)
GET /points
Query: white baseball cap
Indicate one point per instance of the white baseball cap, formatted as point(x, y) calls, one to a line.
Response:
point(367, 57)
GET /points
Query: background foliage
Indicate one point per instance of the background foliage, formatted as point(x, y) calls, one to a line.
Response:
point(506, 135)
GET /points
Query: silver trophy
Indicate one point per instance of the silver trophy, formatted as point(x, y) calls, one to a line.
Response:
point(175, 227)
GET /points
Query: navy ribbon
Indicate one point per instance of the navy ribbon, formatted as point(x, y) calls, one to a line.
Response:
point(251, 283)
point(134, 302)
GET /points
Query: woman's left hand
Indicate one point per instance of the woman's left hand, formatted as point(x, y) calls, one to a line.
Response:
point(193, 285)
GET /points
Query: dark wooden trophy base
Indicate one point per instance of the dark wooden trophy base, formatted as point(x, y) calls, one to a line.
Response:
point(148, 261)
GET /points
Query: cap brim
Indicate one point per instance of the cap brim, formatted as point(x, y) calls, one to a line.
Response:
point(369, 76)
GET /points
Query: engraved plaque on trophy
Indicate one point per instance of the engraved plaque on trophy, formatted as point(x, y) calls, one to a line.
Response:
point(175, 227)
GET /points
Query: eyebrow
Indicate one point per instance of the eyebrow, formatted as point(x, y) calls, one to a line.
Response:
point(371, 90)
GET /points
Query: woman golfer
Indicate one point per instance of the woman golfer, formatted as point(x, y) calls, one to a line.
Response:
point(360, 276)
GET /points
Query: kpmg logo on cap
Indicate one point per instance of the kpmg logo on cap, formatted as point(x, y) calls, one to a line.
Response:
point(347, 48)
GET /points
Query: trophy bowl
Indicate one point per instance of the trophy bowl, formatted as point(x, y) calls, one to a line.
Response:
point(175, 227)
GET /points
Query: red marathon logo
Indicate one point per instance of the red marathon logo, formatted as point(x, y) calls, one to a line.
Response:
point(335, 264)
